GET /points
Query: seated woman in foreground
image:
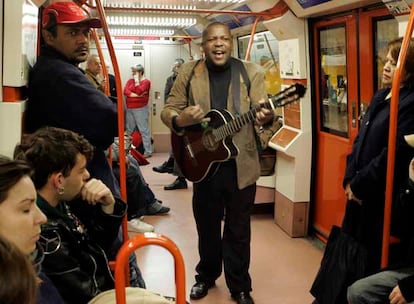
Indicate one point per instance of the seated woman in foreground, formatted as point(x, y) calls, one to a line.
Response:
point(20, 222)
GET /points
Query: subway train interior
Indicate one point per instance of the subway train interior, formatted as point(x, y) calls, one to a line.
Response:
point(332, 47)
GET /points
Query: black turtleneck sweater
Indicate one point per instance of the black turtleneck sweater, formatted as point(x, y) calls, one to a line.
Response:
point(220, 78)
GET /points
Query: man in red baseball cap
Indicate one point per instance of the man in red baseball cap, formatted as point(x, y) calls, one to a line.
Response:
point(60, 95)
point(66, 28)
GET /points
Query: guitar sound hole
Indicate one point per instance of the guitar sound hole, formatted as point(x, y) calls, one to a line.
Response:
point(209, 142)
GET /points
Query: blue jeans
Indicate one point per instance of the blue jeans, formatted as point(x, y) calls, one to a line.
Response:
point(139, 118)
point(135, 275)
point(139, 194)
point(376, 288)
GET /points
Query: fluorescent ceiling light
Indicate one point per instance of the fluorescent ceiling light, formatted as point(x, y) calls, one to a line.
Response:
point(140, 4)
point(151, 21)
point(140, 32)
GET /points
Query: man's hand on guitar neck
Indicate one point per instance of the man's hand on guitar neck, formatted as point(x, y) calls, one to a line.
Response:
point(190, 116)
point(264, 116)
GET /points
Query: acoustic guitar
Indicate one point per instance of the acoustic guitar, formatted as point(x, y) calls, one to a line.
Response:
point(202, 147)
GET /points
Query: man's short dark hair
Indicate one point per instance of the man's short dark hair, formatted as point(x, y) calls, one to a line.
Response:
point(50, 150)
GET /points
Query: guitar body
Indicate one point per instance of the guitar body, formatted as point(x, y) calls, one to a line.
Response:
point(197, 152)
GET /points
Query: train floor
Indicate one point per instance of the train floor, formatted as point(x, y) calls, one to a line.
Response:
point(282, 268)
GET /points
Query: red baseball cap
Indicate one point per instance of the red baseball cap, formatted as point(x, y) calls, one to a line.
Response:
point(68, 13)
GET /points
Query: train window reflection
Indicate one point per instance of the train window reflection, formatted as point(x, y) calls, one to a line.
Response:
point(265, 52)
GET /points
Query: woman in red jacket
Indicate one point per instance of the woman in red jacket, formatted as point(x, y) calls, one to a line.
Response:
point(137, 91)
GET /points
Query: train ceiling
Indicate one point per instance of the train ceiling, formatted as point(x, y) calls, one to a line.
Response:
point(188, 17)
point(176, 17)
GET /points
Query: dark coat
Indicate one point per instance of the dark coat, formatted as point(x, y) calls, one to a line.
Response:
point(366, 170)
point(404, 225)
point(75, 259)
point(61, 96)
point(168, 85)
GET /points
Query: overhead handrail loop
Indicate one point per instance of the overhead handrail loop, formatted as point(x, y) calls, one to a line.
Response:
point(105, 75)
point(395, 90)
point(141, 240)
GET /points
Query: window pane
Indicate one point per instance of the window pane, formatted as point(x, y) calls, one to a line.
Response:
point(333, 84)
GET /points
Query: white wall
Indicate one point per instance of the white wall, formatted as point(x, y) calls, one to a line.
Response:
point(18, 39)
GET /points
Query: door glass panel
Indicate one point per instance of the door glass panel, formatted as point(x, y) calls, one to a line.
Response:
point(385, 31)
point(334, 101)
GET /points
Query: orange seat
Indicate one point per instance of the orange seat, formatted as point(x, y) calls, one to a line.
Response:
point(141, 240)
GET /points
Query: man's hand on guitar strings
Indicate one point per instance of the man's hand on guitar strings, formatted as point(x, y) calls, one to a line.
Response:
point(264, 115)
point(190, 116)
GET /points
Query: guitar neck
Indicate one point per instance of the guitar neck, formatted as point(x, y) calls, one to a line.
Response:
point(237, 123)
point(287, 96)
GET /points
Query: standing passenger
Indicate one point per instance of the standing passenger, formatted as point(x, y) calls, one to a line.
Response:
point(137, 90)
point(61, 96)
point(93, 72)
point(365, 178)
point(233, 186)
point(170, 166)
point(59, 93)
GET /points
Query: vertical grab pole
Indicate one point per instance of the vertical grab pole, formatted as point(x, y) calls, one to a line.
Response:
point(102, 59)
point(105, 75)
point(249, 47)
point(392, 139)
point(121, 121)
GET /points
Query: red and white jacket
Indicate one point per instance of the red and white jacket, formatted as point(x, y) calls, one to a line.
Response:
point(142, 89)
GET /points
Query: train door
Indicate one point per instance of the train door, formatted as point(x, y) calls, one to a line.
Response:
point(347, 72)
point(161, 61)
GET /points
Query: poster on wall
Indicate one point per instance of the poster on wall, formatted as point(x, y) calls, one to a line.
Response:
point(310, 3)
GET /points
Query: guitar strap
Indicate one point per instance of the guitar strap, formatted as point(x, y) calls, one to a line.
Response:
point(187, 86)
point(237, 68)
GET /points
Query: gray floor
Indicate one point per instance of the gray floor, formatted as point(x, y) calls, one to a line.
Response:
point(282, 268)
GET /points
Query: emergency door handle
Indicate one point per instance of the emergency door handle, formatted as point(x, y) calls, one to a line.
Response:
point(154, 109)
point(354, 114)
point(157, 96)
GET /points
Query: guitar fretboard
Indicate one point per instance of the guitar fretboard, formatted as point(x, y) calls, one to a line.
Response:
point(281, 99)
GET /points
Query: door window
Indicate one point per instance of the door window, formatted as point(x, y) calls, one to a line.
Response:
point(333, 84)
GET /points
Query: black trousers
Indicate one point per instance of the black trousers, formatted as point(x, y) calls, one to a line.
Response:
point(212, 199)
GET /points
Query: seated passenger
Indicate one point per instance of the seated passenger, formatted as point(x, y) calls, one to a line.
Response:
point(75, 258)
point(141, 199)
point(396, 284)
point(20, 221)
